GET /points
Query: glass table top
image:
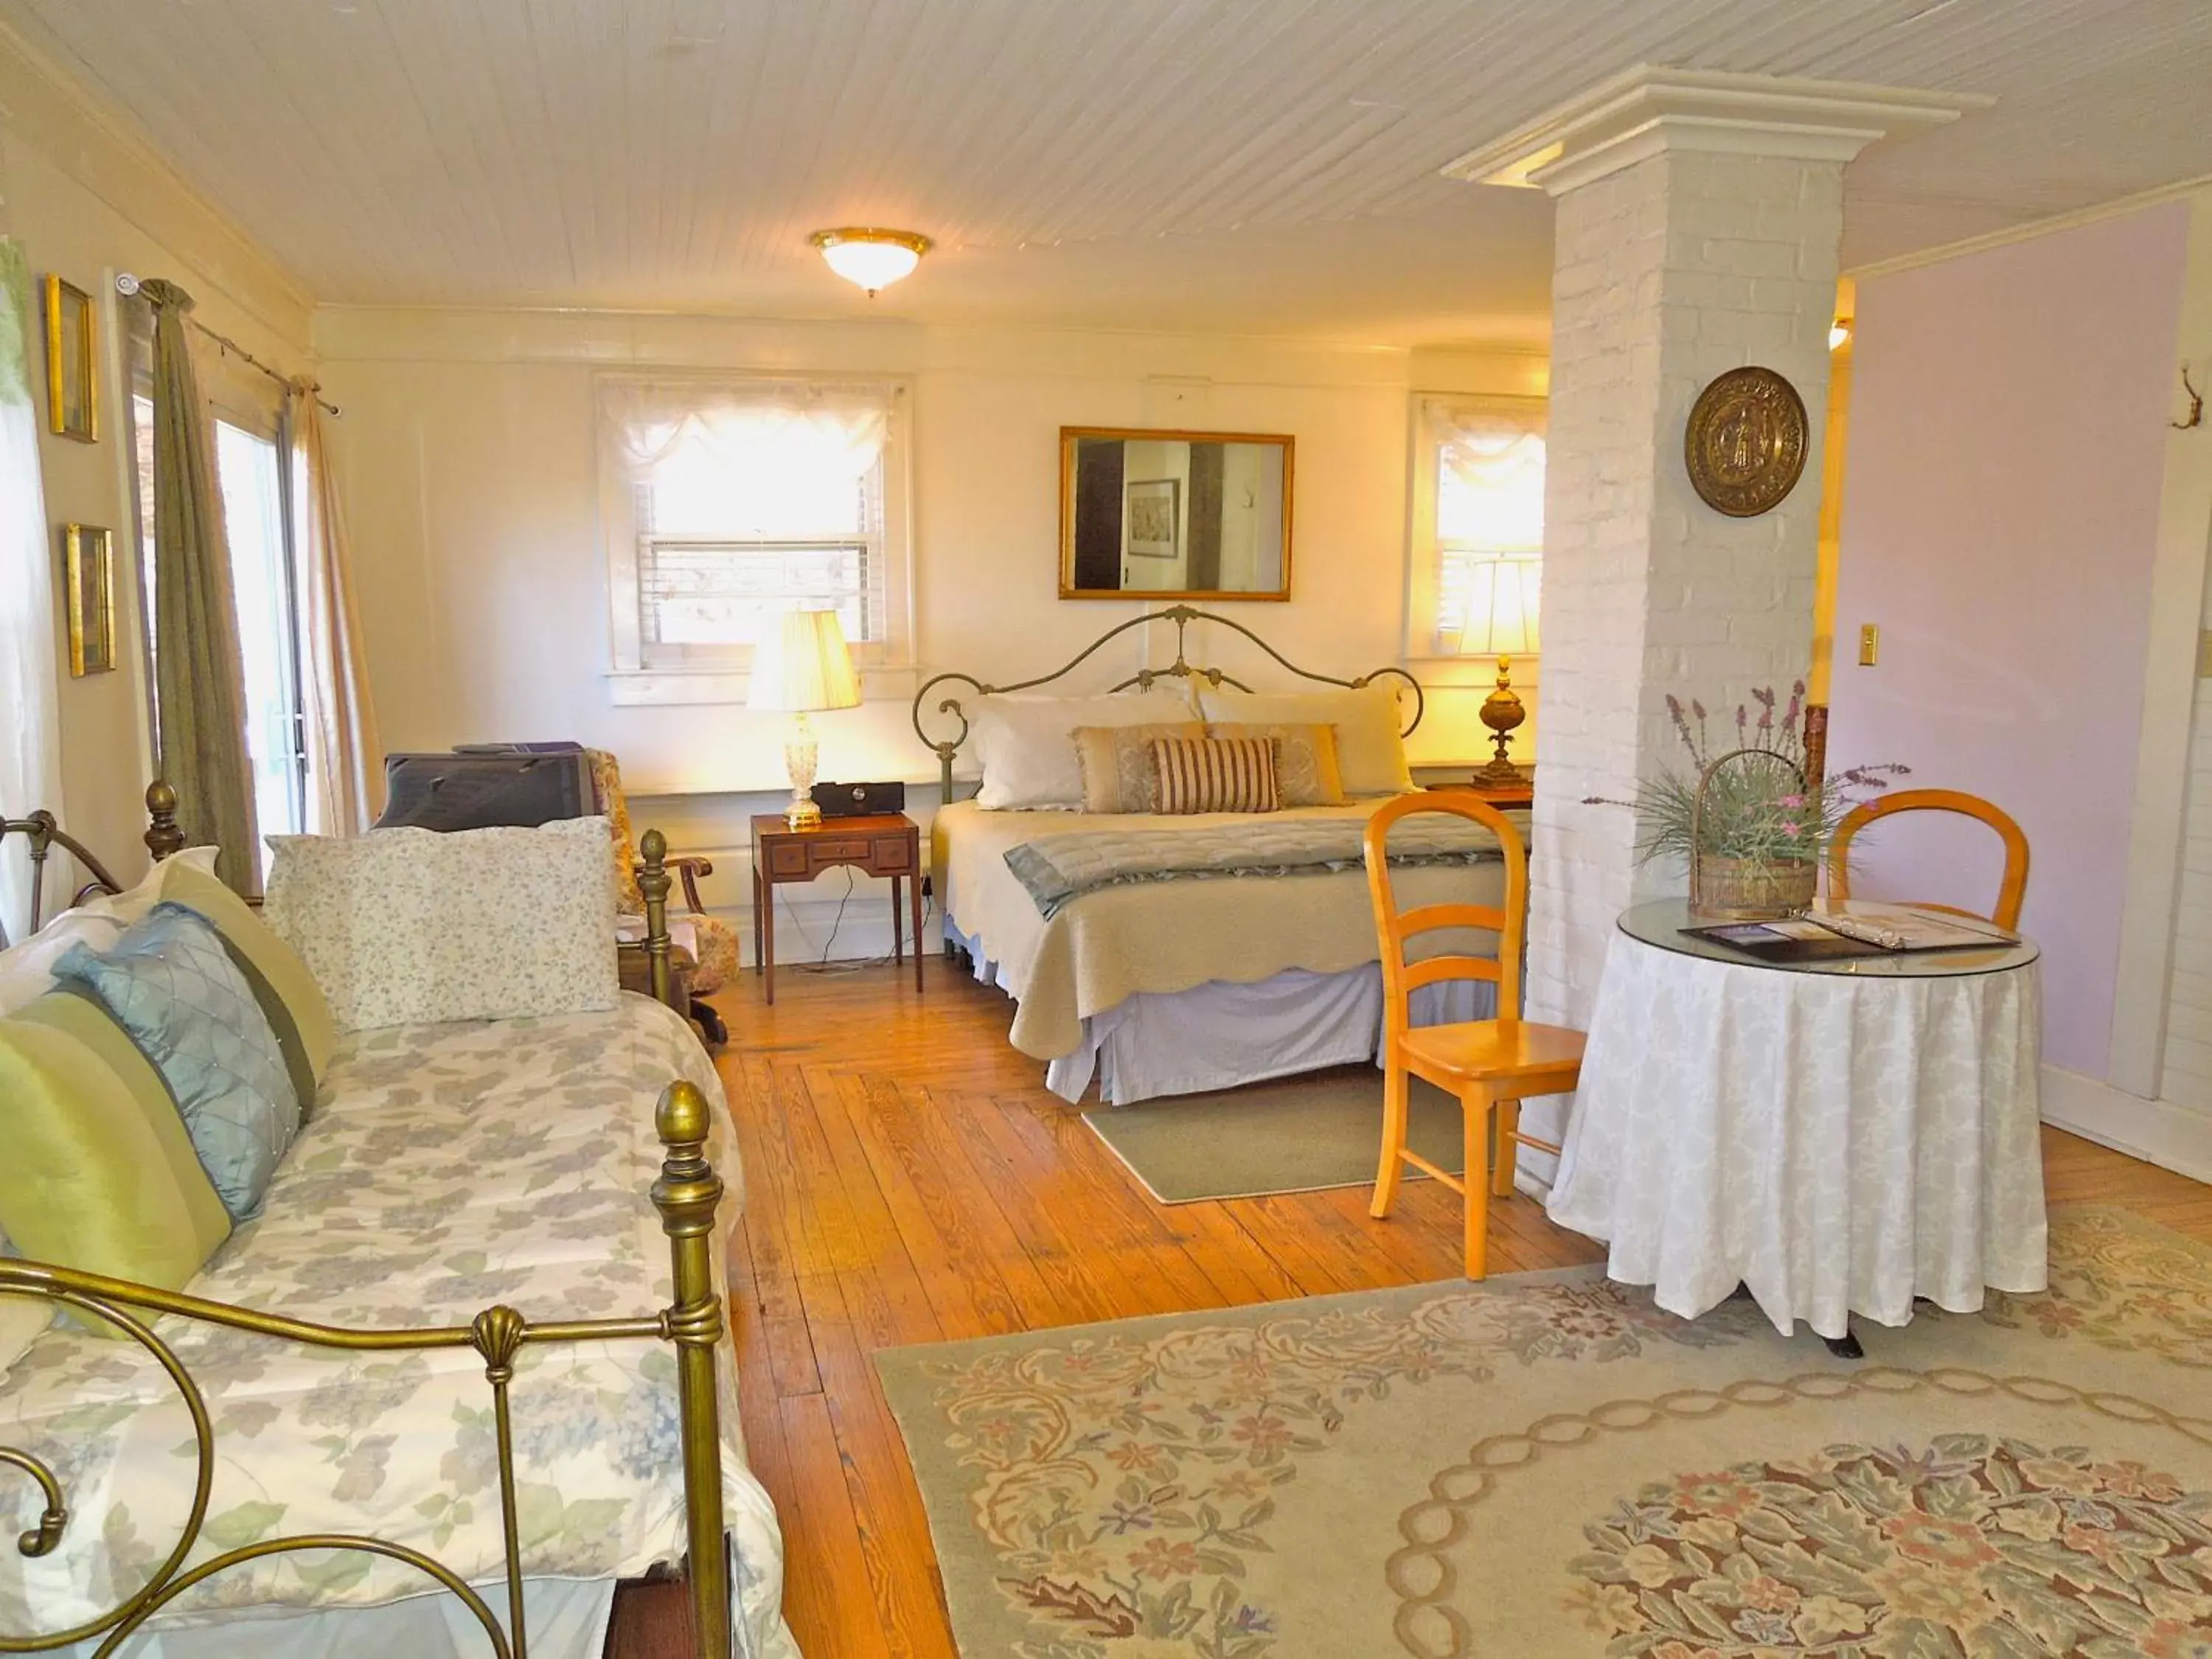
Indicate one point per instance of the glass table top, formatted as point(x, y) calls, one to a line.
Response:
point(1661, 922)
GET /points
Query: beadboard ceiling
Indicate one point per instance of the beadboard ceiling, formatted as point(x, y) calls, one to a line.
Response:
point(1252, 165)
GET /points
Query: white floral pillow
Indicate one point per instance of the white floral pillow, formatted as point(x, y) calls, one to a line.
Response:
point(405, 926)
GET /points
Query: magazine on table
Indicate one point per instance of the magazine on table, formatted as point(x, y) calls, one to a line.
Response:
point(1825, 935)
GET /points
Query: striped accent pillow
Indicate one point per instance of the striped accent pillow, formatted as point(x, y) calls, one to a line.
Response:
point(1216, 775)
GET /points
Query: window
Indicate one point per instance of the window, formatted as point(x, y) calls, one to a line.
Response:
point(727, 505)
point(251, 453)
point(1478, 525)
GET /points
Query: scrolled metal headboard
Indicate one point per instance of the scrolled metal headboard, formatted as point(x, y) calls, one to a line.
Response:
point(1181, 616)
point(44, 835)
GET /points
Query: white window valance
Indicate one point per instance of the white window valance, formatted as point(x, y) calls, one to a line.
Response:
point(774, 426)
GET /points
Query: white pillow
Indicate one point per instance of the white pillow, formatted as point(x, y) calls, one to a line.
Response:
point(1369, 752)
point(1027, 745)
point(27, 970)
point(406, 926)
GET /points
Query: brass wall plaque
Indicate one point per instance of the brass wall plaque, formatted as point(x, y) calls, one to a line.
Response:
point(1745, 442)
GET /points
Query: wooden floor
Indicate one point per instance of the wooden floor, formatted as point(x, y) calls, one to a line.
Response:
point(908, 1180)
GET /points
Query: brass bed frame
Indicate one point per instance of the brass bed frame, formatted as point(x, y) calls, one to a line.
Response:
point(1182, 615)
point(686, 1195)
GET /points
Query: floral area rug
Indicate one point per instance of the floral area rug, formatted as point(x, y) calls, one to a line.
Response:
point(1546, 1465)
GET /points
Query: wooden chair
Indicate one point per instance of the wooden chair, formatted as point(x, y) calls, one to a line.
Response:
point(1491, 1065)
point(2010, 892)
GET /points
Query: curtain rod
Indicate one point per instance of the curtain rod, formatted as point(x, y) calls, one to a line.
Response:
point(127, 285)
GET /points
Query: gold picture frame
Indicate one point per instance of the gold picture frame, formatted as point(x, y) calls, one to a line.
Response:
point(88, 573)
point(1162, 513)
point(72, 362)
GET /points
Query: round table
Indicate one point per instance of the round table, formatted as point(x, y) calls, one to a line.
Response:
point(1838, 1136)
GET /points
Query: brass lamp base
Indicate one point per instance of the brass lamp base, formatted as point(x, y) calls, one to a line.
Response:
point(1502, 711)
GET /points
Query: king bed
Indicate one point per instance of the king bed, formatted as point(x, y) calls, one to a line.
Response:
point(1174, 952)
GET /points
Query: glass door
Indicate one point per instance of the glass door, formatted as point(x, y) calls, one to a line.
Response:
point(250, 470)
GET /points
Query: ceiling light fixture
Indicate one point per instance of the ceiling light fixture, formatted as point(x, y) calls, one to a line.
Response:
point(871, 258)
point(1838, 331)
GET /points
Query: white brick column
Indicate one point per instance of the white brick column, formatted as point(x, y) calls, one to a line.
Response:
point(1669, 272)
point(1699, 220)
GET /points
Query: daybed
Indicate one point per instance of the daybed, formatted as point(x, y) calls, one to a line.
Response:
point(487, 1365)
point(1217, 949)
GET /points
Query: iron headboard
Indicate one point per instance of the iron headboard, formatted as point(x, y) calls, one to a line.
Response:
point(44, 835)
point(1181, 616)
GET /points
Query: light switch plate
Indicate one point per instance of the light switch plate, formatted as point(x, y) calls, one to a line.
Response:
point(1870, 644)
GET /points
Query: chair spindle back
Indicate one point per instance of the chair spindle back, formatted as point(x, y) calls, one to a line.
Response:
point(2011, 890)
point(1394, 928)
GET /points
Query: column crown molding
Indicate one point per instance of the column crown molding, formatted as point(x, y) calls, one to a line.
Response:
point(1647, 110)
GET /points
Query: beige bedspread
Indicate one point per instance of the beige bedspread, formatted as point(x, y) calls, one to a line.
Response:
point(1158, 936)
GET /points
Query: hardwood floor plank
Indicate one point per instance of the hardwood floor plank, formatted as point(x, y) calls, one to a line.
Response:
point(825, 1559)
point(899, 1560)
point(959, 1275)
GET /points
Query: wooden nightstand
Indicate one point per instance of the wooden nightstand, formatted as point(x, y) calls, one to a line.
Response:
point(880, 844)
point(1499, 795)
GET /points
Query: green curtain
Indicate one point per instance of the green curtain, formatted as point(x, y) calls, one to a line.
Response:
point(199, 678)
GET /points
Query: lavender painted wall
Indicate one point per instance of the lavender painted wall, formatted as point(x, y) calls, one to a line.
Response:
point(2008, 434)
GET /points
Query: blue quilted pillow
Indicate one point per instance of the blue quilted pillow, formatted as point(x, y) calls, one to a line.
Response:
point(172, 987)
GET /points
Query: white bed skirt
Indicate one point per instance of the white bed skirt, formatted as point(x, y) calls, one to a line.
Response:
point(565, 1619)
point(1219, 1035)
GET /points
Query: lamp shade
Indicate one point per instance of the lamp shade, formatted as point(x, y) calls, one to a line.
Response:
point(804, 665)
point(1502, 602)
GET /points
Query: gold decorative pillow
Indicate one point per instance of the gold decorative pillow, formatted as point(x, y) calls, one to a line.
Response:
point(1119, 774)
point(1216, 775)
point(1306, 770)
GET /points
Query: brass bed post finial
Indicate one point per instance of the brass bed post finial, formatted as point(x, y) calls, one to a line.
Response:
point(164, 839)
point(653, 883)
point(686, 1195)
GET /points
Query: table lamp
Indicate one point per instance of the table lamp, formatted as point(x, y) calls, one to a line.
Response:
point(803, 664)
point(1502, 596)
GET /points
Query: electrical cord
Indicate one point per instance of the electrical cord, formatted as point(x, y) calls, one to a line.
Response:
point(822, 965)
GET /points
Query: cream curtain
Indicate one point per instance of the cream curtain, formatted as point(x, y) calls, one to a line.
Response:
point(30, 729)
point(199, 693)
point(345, 773)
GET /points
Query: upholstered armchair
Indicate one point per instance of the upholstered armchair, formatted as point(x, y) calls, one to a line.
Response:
point(715, 942)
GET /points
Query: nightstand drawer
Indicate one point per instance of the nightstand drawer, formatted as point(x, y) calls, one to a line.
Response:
point(894, 855)
point(786, 858)
point(826, 850)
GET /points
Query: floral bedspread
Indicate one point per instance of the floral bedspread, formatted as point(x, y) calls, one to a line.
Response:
point(445, 1168)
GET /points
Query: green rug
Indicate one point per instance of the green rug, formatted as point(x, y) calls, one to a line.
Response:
point(1545, 1465)
point(1294, 1135)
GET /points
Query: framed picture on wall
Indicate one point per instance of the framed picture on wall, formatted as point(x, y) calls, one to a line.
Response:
point(72, 351)
point(88, 574)
point(1152, 507)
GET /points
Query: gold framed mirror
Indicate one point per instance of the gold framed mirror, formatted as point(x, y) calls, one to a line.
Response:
point(1148, 515)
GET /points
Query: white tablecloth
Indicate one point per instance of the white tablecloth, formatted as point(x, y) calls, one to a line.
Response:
point(1839, 1143)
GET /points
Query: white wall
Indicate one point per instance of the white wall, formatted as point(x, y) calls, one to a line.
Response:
point(87, 202)
point(468, 456)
